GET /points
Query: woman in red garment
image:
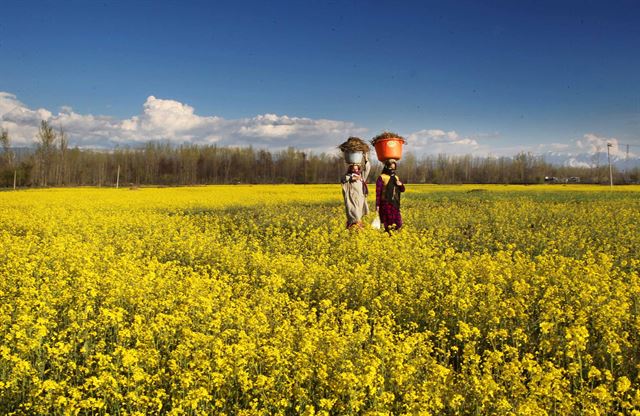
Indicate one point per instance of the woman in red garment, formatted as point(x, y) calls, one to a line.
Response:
point(388, 190)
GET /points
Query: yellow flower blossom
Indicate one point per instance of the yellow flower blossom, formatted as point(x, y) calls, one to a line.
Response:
point(254, 300)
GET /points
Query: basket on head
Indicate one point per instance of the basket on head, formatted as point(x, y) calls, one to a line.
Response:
point(353, 157)
point(388, 146)
point(354, 150)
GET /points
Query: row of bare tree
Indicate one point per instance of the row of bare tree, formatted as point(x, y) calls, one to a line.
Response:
point(53, 163)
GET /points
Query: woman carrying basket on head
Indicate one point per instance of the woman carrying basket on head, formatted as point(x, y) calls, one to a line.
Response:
point(354, 181)
point(355, 191)
point(388, 190)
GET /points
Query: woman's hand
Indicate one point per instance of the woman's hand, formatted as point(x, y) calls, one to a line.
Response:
point(398, 182)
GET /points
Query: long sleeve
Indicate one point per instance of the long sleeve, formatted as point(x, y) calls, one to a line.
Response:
point(367, 169)
point(379, 186)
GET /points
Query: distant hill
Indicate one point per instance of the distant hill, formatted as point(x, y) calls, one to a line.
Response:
point(590, 160)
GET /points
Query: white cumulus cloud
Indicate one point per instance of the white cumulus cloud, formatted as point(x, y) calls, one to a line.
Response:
point(165, 119)
point(20, 120)
point(588, 145)
point(589, 151)
point(593, 143)
point(435, 141)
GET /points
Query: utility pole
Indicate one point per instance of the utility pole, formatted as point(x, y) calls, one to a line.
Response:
point(118, 178)
point(610, 169)
point(15, 174)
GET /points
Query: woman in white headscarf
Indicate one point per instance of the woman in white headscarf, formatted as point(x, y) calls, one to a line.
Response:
point(355, 191)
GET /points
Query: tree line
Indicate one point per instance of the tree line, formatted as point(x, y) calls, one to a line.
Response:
point(53, 163)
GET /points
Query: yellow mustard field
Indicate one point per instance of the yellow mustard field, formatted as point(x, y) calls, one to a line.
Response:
point(254, 300)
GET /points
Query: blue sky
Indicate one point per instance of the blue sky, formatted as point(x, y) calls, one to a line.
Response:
point(458, 77)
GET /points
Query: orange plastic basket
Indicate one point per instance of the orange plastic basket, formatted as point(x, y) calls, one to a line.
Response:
point(390, 148)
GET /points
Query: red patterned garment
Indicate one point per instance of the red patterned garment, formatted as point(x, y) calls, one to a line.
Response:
point(390, 215)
